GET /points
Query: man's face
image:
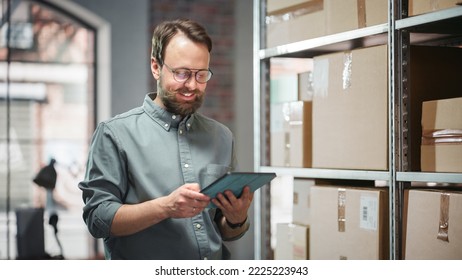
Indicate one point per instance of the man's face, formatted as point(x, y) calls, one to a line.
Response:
point(184, 97)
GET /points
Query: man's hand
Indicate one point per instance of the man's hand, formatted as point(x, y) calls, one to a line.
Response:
point(185, 202)
point(234, 209)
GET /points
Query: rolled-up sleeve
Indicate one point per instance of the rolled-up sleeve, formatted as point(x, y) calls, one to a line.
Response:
point(104, 185)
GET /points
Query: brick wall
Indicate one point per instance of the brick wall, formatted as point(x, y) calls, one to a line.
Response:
point(217, 16)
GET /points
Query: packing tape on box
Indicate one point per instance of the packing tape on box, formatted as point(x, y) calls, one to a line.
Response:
point(295, 198)
point(441, 136)
point(341, 209)
point(346, 73)
point(294, 11)
point(292, 114)
point(287, 148)
point(443, 229)
point(361, 13)
point(321, 77)
point(286, 129)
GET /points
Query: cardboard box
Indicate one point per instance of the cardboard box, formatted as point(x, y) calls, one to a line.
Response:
point(278, 133)
point(442, 114)
point(292, 242)
point(283, 249)
point(281, 200)
point(441, 147)
point(434, 74)
point(345, 107)
point(417, 7)
point(442, 158)
point(433, 225)
point(293, 21)
point(350, 110)
point(284, 88)
point(346, 15)
point(305, 86)
point(301, 210)
point(291, 128)
point(277, 5)
point(349, 223)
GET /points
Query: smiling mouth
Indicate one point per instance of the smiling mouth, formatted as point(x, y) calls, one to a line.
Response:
point(187, 93)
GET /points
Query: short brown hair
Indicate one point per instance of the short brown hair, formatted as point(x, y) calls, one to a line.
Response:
point(167, 29)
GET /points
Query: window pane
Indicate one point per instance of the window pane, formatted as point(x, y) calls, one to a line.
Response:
point(50, 113)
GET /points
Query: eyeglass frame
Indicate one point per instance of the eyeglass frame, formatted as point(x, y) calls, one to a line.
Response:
point(190, 71)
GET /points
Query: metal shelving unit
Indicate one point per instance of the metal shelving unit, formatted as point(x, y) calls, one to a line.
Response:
point(442, 28)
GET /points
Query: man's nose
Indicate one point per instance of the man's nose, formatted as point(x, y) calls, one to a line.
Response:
point(191, 83)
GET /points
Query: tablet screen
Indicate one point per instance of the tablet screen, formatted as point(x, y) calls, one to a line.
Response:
point(236, 181)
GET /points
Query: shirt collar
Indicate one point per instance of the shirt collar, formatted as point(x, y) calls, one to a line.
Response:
point(161, 116)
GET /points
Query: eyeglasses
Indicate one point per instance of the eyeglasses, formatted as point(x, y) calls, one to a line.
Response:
point(183, 74)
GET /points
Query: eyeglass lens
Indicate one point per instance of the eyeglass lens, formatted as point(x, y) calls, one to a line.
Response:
point(183, 74)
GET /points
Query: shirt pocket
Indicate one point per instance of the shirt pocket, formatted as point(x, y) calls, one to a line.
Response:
point(213, 172)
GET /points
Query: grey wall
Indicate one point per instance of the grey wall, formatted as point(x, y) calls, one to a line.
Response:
point(243, 123)
point(130, 41)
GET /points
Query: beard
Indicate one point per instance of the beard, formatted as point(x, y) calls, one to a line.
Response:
point(176, 107)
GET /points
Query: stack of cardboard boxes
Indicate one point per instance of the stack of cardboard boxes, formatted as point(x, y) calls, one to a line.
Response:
point(433, 217)
point(343, 124)
point(293, 238)
point(334, 222)
point(441, 145)
point(289, 21)
point(296, 20)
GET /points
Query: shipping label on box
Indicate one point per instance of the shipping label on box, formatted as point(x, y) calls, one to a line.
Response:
point(349, 223)
point(433, 225)
point(368, 208)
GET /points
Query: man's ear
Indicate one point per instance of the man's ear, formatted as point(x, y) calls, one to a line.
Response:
point(155, 68)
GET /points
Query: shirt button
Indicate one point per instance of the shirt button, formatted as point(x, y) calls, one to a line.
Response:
point(181, 131)
point(198, 226)
point(173, 117)
point(166, 125)
point(186, 165)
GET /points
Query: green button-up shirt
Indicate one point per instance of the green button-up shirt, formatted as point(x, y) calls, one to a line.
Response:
point(147, 153)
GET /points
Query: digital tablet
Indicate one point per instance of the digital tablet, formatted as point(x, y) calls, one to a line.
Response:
point(236, 181)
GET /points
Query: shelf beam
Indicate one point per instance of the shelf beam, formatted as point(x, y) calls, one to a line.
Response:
point(328, 173)
point(431, 177)
point(368, 36)
point(447, 16)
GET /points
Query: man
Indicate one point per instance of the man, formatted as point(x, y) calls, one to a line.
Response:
point(146, 167)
